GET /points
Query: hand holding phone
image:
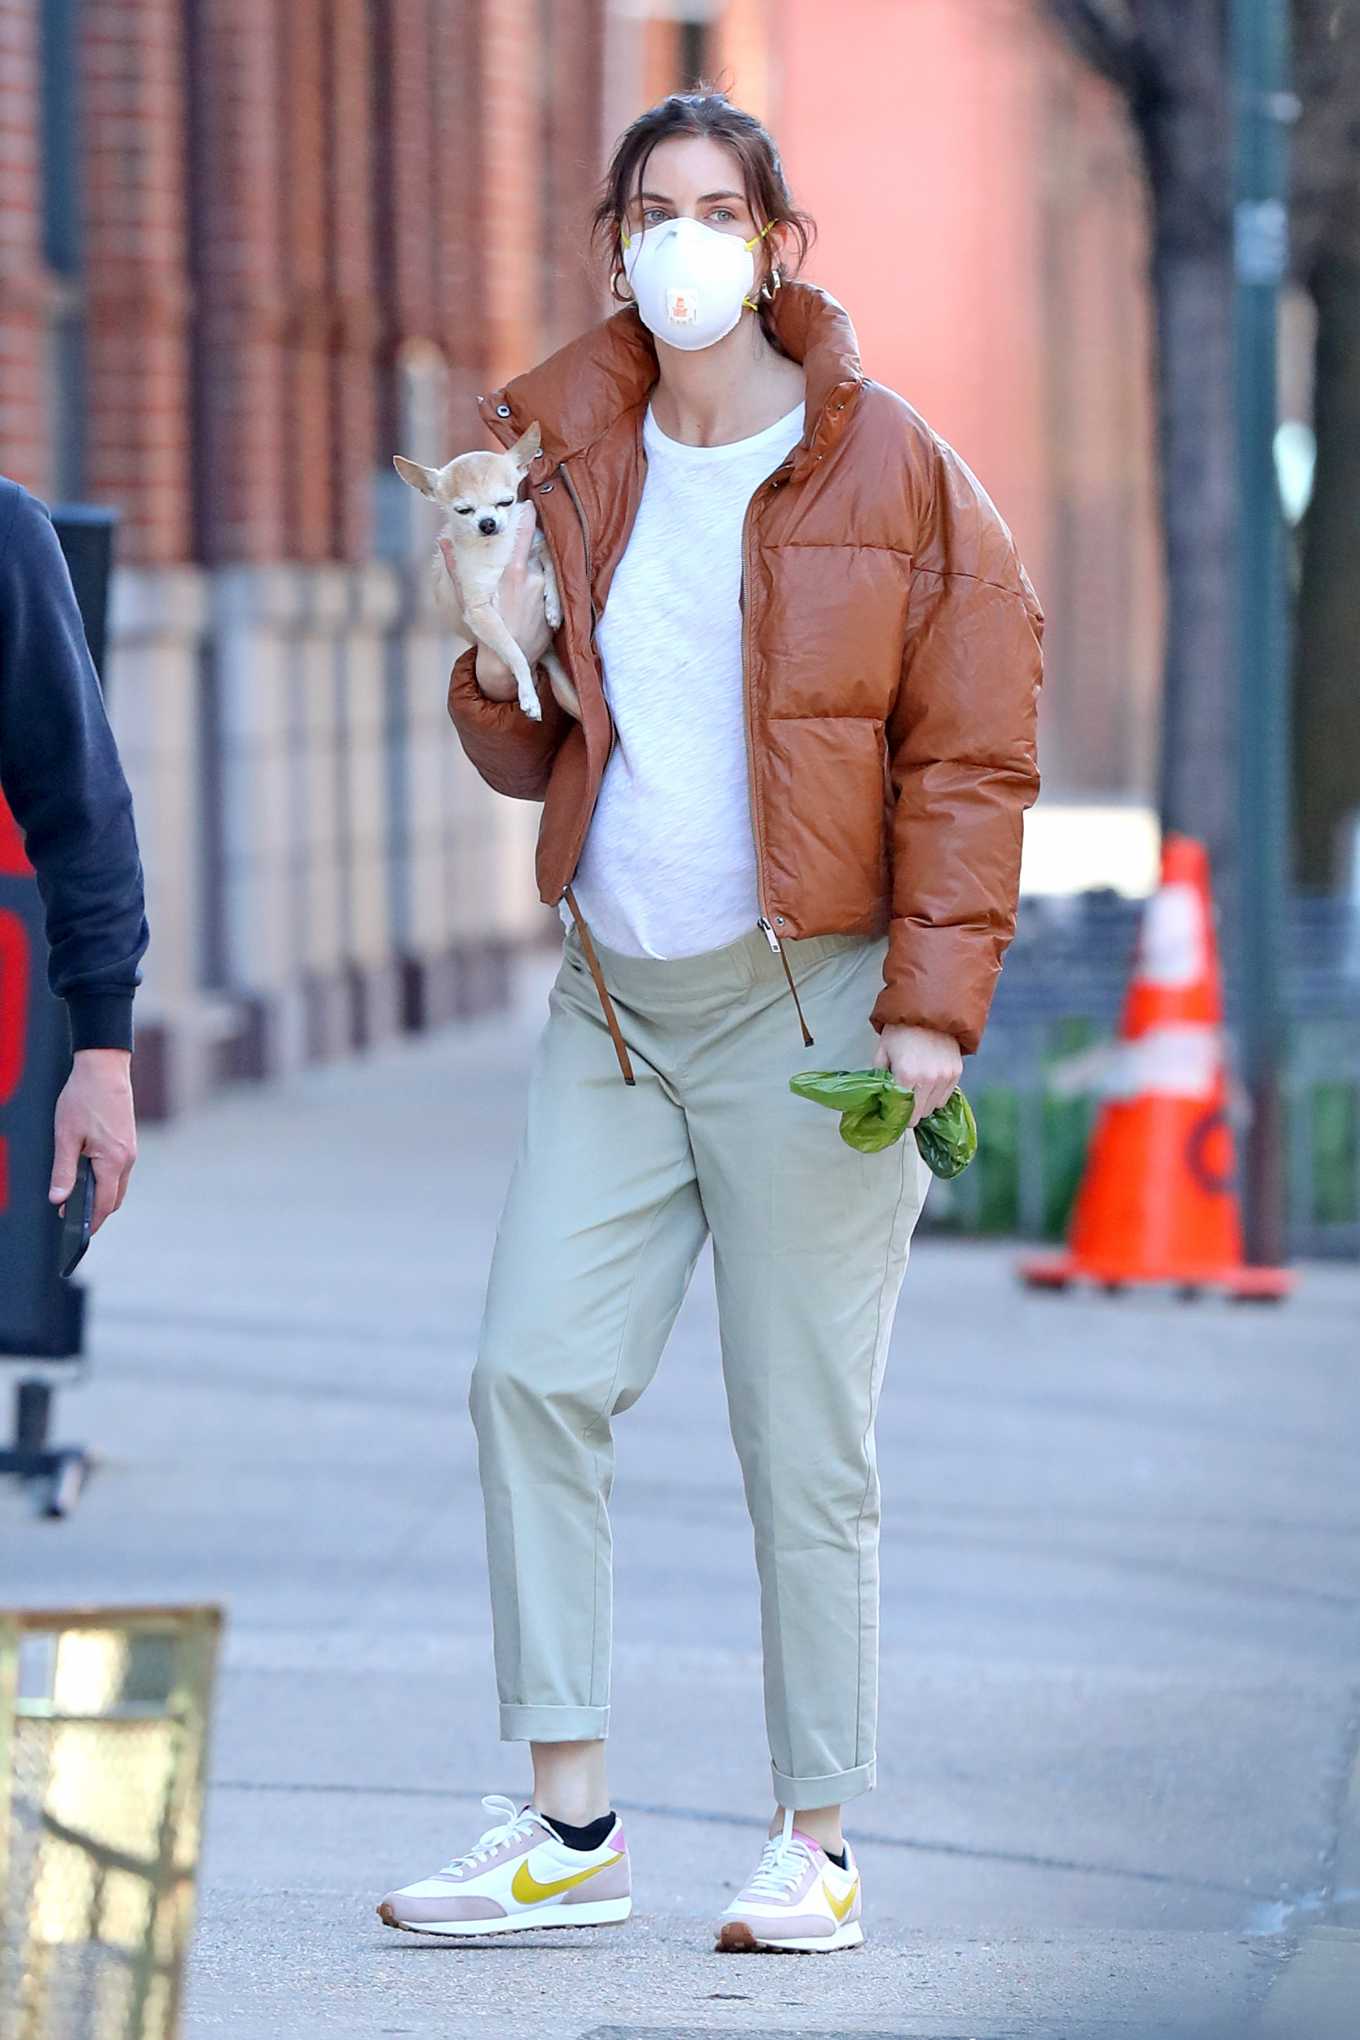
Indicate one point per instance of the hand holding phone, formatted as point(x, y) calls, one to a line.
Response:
point(77, 1212)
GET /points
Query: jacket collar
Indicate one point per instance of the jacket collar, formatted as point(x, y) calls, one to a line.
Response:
point(578, 393)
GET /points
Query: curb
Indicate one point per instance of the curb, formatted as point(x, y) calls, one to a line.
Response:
point(1317, 1991)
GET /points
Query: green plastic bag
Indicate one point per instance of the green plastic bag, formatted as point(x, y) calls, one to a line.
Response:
point(875, 1109)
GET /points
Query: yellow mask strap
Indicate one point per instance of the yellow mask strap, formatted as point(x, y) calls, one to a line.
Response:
point(755, 242)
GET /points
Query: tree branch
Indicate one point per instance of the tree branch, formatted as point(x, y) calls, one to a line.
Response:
point(1326, 142)
point(1106, 34)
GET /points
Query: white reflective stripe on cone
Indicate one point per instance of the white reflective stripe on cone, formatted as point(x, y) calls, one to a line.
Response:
point(1173, 1062)
point(1172, 950)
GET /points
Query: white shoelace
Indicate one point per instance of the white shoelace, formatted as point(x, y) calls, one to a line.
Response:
point(782, 1863)
point(512, 1821)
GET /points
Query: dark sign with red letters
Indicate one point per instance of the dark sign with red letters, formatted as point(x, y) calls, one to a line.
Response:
point(40, 1315)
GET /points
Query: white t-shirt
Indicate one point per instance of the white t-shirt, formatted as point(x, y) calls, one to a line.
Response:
point(668, 868)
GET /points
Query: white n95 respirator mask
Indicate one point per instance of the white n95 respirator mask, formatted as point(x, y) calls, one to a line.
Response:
point(690, 281)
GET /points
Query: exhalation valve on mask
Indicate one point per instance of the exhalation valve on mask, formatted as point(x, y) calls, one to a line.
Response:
point(690, 281)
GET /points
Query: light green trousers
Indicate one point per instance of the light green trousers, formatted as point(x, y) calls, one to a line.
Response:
point(613, 1192)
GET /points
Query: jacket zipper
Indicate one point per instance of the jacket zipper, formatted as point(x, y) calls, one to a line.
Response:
point(505, 430)
point(570, 486)
point(587, 945)
point(764, 923)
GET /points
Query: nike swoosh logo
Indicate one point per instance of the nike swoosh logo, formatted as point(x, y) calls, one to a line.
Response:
point(840, 1906)
point(525, 1887)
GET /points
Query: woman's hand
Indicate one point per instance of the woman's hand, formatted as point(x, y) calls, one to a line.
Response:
point(519, 599)
point(922, 1061)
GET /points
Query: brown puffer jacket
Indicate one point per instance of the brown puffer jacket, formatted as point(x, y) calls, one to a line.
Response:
point(891, 655)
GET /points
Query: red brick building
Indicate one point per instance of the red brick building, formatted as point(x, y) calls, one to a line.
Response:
point(227, 222)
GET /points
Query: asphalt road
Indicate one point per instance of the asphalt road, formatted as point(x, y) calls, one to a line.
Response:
point(1121, 1634)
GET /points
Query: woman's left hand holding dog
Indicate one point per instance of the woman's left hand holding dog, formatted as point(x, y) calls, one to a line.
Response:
point(923, 1062)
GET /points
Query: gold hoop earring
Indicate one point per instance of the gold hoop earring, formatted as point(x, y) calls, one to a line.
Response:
point(769, 290)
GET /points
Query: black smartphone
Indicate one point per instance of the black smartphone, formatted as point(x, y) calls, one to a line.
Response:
point(75, 1224)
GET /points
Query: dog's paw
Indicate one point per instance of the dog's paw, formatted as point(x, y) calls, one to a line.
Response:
point(532, 706)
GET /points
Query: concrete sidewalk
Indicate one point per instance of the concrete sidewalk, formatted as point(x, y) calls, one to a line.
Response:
point(1121, 1649)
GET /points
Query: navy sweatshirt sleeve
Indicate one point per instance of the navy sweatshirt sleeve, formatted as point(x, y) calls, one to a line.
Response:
point(61, 775)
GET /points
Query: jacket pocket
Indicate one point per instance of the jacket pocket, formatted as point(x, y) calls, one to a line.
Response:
point(825, 839)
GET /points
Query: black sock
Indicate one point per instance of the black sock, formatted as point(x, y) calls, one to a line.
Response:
point(592, 1836)
point(841, 1862)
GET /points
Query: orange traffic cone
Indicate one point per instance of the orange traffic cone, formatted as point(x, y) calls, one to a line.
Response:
point(1158, 1200)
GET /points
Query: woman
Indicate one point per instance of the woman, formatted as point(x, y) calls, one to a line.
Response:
point(805, 657)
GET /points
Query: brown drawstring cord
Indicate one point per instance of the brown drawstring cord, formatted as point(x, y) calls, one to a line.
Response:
point(808, 1041)
point(611, 1017)
point(607, 1004)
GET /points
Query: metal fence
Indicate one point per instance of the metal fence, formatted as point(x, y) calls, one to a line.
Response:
point(103, 1732)
point(1061, 993)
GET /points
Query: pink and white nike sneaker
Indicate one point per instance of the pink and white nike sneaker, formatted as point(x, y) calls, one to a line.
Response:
point(798, 1899)
point(519, 1875)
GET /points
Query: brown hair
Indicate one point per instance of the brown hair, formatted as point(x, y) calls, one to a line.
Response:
point(704, 111)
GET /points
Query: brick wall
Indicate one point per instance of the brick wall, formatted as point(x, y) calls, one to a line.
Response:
point(243, 444)
point(510, 170)
point(24, 285)
point(572, 47)
point(408, 187)
point(278, 201)
point(458, 207)
point(136, 284)
point(300, 109)
point(354, 308)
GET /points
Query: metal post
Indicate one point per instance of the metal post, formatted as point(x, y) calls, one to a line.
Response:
point(1263, 109)
point(32, 1416)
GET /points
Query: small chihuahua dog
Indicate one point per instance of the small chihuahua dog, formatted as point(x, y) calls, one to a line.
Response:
point(477, 492)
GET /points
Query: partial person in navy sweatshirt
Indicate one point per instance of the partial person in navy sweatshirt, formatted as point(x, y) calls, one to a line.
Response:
point(61, 775)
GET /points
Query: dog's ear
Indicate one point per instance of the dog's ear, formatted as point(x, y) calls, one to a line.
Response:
point(423, 479)
point(527, 448)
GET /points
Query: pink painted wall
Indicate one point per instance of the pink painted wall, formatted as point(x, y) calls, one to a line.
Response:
point(980, 216)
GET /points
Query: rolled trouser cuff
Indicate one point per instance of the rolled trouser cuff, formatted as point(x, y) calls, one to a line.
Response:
point(522, 1723)
point(832, 1789)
